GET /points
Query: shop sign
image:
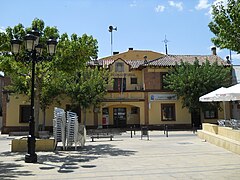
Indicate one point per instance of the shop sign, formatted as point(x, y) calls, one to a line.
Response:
point(159, 97)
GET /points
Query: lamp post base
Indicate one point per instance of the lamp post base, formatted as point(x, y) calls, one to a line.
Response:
point(31, 158)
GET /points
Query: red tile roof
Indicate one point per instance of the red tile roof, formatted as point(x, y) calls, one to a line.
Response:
point(167, 60)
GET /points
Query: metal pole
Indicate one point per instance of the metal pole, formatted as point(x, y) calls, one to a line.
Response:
point(111, 44)
point(131, 131)
point(166, 131)
point(31, 156)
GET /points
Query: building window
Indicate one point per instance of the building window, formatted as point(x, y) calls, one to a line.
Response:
point(119, 84)
point(105, 111)
point(119, 67)
point(211, 114)
point(134, 110)
point(163, 84)
point(168, 112)
point(24, 113)
point(133, 80)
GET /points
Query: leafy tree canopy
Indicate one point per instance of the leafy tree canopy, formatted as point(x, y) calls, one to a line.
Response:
point(190, 81)
point(225, 25)
point(88, 87)
point(72, 54)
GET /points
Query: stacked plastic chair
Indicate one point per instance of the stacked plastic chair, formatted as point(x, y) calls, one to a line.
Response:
point(59, 126)
point(81, 136)
point(72, 129)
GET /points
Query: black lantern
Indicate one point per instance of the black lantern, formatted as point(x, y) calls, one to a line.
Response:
point(39, 49)
point(51, 46)
point(29, 41)
point(34, 54)
point(16, 46)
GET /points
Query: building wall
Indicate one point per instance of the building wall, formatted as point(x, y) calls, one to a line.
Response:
point(155, 112)
point(147, 95)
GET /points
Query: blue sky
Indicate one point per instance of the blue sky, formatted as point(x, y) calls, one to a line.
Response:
point(141, 24)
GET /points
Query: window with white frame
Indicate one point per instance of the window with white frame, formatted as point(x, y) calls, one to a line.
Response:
point(119, 67)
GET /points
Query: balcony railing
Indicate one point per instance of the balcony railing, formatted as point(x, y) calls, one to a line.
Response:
point(125, 95)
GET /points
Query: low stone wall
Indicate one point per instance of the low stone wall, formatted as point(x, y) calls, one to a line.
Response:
point(20, 145)
point(224, 137)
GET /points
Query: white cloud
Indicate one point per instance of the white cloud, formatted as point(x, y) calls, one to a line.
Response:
point(133, 4)
point(159, 8)
point(224, 3)
point(202, 4)
point(178, 5)
point(2, 29)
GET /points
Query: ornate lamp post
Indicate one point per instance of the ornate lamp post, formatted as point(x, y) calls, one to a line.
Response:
point(34, 55)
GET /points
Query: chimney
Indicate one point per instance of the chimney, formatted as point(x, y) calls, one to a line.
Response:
point(114, 53)
point(214, 50)
point(130, 49)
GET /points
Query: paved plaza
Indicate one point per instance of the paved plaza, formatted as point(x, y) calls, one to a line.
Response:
point(182, 155)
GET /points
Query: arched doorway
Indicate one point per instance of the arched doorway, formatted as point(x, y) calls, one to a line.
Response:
point(120, 117)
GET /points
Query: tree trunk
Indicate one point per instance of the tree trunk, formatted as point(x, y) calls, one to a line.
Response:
point(44, 119)
point(84, 116)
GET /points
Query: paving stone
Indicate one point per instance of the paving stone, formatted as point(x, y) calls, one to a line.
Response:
point(182, 155)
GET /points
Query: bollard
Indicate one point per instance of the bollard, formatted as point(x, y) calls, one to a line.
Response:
point(134, 129)
point(164, 128)
point(131, 131)
point(166, 131)
point(193, 128)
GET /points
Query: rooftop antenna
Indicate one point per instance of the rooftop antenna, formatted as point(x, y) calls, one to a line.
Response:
point(111, 29)
point(165, 42)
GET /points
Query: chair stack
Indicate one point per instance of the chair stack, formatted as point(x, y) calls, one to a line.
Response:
point(67, 129)
point(59, 126)
point(72, 129)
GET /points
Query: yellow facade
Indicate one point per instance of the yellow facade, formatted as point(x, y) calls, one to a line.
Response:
point(135, 97)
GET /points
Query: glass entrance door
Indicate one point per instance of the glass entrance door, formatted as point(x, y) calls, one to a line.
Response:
point(120, 117)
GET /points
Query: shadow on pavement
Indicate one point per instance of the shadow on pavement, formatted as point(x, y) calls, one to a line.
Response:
point(69, 160)
point(62, 161)
point(11, 171)
point(106, 149)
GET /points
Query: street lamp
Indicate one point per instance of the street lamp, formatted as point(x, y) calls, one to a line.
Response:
point(111, 29)
point(34, 54)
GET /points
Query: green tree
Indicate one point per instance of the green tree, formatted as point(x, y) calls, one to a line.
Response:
point(59, 75)
point(190, 81)
point(20, 69)
point(225, 25)
point(84, 85)
point(88, 88)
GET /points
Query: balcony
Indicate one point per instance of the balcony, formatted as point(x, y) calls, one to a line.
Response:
point(136, 96)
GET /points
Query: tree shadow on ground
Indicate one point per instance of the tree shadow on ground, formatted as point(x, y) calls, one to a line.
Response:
point(62, 161)
point(73, 159)
point(106, 149)
point(12, 170)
